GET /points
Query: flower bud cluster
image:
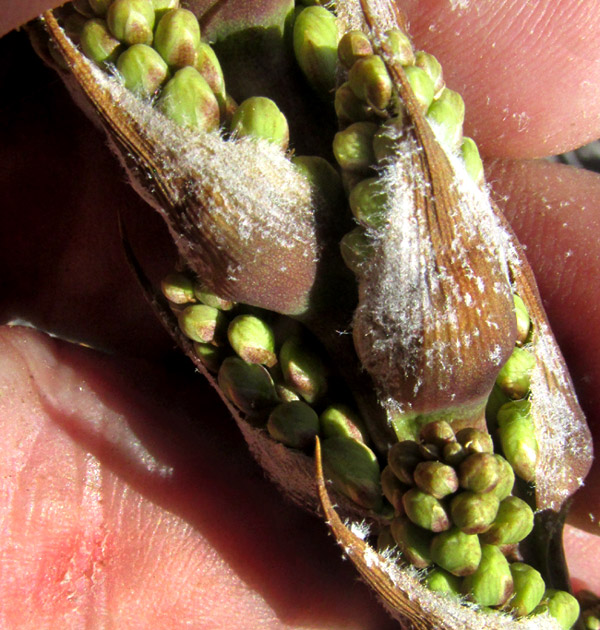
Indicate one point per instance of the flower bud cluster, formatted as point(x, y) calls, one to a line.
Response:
point(373, 120)
point(180, 74)
point(455, 516)
point(277, 383)
point(509, 409)
point(455, 513)
point(156, 49)
point(274, 373)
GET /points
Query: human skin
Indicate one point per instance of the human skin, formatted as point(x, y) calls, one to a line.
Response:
point(127, 498)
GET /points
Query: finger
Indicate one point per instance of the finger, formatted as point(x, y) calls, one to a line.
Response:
point(529, 71)
point(555, 211)
point(126, 501)
point(15, 12)
point(582, 550)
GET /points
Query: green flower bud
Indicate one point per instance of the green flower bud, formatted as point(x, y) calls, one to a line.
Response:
point(315, 47)
point(491, 584)
point(252, 339)
point(457, 552)
point(448, 115)
point(385, 140)
point(475, 441)
point(202, 323)
point(438, 432)
point(353, 147)
point(131, 21)
point(517, 437)
point(472, 160)
point(211, 356)
point(403, 458)
point(178, 288)
point(592, 622)
point(143, 70)
point(368, 202)
point(436, 478)
point(507, 479)
point(562, 606)
point(341, 420)
point(209, 67)
point(479, 472)
point(514, 410)
point(413, 542)
point(303, 370)
point(523, 320)
point(260, 117)
point(393, 489)
point(356, 249)
point(514, 377)
point(474, 512)
point(354, 45)
point(100, 7)
point(348, 107)
point(323, 178)
point(177, 38)
point(421, 85)
point(249, 387)
point(354, 470)
point(529, 588)
point(206, 296)
point(162, 6)
point(441, 581)
point(454, 453)
point(370, 81)
point(98, 44)
point(429, 64)
point(425, 511)
point(400, 46)
point(188, 101)
point(294, 424)
point(512, 524)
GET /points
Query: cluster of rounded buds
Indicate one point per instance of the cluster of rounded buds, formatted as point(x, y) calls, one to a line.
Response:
point(157, 51)
point(272, 371)
point(373, 120)
point(456, 516)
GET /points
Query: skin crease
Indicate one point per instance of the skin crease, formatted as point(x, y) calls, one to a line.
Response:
point(129, 499)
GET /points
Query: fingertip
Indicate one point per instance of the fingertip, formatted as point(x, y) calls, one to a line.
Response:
point(582, 551)
point(529, 72)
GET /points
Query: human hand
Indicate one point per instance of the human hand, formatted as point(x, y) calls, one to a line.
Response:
point(129, 497)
